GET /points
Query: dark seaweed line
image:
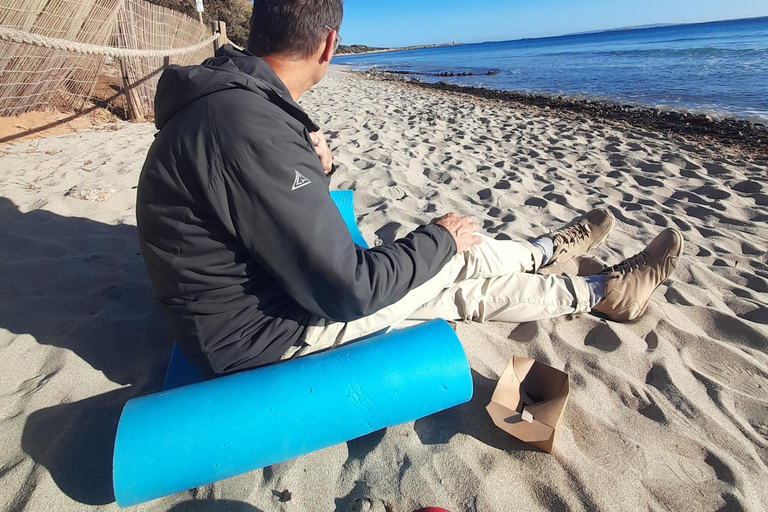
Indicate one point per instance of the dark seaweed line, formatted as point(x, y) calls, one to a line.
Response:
point(491, 72)
point(750, 138)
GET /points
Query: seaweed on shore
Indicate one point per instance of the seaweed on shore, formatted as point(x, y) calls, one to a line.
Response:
point(746, 136)
point(492, 72)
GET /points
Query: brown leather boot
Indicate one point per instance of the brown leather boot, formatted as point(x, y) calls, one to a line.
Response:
point(581, 235)
point(631, 283)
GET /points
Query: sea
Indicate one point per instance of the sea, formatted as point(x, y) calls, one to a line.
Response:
point(718, 68)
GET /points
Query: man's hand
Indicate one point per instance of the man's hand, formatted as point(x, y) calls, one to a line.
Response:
point(323, 152)
point(463, 230)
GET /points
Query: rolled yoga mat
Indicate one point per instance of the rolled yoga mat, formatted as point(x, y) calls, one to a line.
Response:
point(195, 435)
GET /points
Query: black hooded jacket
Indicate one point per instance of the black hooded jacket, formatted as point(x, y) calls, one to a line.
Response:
point(239, 234)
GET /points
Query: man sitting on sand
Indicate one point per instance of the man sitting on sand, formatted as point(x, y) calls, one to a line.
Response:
point(250, 258)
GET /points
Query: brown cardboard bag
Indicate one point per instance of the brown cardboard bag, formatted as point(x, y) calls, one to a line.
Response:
point(529, 401)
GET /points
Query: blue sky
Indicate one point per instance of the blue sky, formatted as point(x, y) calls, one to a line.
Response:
point(410, 22)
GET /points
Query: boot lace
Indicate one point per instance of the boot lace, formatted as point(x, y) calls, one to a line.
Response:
point(628, 265)
point(571, 235)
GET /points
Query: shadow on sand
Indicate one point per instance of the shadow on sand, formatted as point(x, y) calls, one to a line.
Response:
point(81, 286)
point(213, 506)
point(471, 419)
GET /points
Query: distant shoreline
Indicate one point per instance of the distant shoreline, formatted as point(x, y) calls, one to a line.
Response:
point(347, 51)
point(740, 134)
point(610, 31)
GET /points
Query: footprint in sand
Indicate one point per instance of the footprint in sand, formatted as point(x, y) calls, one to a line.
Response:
point(671, 470)
point(393, 193)
point(537, 202)
point(485, 194)
point(647, 182)
point(438, 177)
point(748, 187)
point(361, 164)
point(713, 193)
point(731, 372)
point(623, 457)
point(716, 169)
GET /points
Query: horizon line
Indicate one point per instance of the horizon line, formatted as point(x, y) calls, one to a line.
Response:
point(651, 26)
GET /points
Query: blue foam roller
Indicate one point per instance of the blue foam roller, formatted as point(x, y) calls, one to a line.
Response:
point(344, 200)
point(181, 371)
point(195, 435)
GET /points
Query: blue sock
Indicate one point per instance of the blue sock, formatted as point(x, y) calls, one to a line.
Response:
point(547, 247)
point(596, 289)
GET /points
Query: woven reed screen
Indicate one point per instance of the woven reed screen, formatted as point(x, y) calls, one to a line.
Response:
point(37, 78)
point(143, 26)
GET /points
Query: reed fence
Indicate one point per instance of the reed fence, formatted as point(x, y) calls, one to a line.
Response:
point(52, 51)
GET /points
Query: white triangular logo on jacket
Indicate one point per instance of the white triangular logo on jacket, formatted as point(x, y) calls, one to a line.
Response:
point(300, 181)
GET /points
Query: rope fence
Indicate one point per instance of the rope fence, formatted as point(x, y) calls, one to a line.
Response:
point(18, 36)
point(54, 52)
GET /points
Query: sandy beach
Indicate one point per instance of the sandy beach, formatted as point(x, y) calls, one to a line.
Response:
point(668, 413)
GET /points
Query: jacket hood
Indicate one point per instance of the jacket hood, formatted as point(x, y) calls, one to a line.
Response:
point(228, 69)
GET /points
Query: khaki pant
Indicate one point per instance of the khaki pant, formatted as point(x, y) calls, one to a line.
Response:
point(493, 281)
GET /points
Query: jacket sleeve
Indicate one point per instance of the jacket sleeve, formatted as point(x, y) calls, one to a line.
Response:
point(274, 197)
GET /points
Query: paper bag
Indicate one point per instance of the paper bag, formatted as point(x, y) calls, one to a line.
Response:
point(529, 401)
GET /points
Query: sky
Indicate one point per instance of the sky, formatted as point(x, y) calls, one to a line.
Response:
point(393, 23)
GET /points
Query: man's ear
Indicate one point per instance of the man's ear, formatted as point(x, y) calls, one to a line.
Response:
point(330, 43)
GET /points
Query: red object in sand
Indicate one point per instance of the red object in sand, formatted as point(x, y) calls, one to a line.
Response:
point(431, 509)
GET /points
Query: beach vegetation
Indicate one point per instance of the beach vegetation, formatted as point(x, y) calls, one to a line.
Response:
point(235, 13)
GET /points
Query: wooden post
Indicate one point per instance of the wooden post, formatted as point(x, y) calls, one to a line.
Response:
point(223, 34)
point(215, 30)
point(199, 14)
point(132, 100)
point(219, 27)
point(166, 61)
point(135, 111)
